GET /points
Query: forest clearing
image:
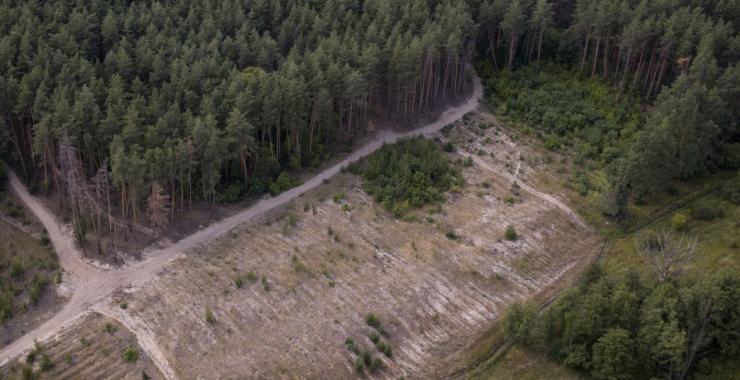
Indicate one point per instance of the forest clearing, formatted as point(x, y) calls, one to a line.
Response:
point(473, 189)
point(302, 281)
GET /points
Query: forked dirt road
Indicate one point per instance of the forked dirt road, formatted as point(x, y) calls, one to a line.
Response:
point(92, 287)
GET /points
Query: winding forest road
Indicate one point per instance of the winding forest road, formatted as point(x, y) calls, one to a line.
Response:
point(92, 287)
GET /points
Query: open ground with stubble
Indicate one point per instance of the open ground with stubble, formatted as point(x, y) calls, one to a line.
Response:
point(279, 298)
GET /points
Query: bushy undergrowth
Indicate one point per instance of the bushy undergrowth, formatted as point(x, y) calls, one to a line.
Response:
point(566, 109)
point(408, 175)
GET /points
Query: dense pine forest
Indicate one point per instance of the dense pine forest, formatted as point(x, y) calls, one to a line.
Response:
point(679, 59)
point(149, 106)
point(143, 108)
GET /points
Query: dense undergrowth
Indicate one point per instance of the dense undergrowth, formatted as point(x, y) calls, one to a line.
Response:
point(564, 108)
point(408, 175)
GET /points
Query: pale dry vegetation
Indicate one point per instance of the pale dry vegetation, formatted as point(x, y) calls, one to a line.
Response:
point(311, 273)
point(95, 347)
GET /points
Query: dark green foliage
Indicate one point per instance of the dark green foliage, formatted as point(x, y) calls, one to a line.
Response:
point(519, 322)
point(367, 357)
point(566, 109)
point(374, 337)
point(408, 175)
point(385, 349)
point(510, 234)
point(620, 327)
point(131, 355)
point(232, 194)
point(110, 328)
point(198, 97)
point(283, 182)
point(46, 364)
point(372, 320)
point(359, 364)
point(210, 318)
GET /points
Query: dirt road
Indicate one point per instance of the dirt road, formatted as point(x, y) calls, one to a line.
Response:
point(92, 287)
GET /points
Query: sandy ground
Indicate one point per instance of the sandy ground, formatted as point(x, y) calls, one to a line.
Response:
point(332, 256)
point(93, 349)
point(93, 286)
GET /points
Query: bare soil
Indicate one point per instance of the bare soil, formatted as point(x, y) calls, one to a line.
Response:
point(91, 349)
point(333, 255)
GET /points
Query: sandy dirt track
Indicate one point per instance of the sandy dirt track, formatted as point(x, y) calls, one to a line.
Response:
point(92, 287)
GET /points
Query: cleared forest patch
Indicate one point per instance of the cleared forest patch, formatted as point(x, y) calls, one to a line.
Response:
point(285, 296)
point(96, 347)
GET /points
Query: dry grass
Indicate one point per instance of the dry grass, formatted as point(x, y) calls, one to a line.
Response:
point(326, 265)
point(92, 349)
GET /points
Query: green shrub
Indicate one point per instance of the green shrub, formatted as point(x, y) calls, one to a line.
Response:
point(367, 357)
point(110, 328)
point(251, 276)
point(354, 168)
point(210, 318)
point(359, 364)
point(27, 372)
point(372, 320)
point(130, 355)
point(374, 337)
point(385, 349)
point(409, 175)
point(46, 364)
point(283, 182)
point(350, 344)
point(239, 282)
point(678, 221)
point(511, 234)
point(16, 269)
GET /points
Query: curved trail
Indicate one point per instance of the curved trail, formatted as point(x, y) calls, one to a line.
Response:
point(92, 287)
point(515, 179)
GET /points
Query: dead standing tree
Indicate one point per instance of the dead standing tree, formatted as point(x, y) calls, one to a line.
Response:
point(100, 201)
point(158, 206)
point(77, 192)
point(666, 253)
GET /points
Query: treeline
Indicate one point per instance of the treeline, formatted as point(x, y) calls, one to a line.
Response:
point(625, 327)
point(680, 54)
point(114, 102)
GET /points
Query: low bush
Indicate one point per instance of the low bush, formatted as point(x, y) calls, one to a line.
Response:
point(283, 182)
point(409, 175)
point(210, 318)
point(511, 234)
point(372, 320)
point(385, 349)
point(130, 355)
